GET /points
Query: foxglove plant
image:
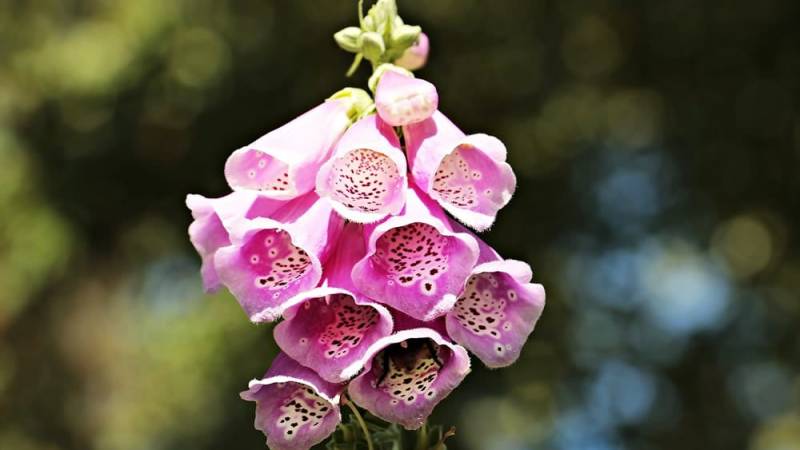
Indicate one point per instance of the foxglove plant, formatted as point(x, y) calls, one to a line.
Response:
point(338, 228)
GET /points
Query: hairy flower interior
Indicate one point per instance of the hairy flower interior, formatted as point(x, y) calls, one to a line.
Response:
point(302, 407)
point(274, 260)
point(467, 178)
point(364, 180)
point(411, 254)
point(481, 307)
point(407, 370)
point(349, 323)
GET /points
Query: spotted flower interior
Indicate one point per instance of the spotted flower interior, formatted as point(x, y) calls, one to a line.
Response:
point(365, 180)
point(346, 223)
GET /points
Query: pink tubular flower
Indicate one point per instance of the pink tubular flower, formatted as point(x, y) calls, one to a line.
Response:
point(403, 100)
point(329, 329)
point(295, 408)
point(270, 260)
point(467, 175)
point(497, 310)
point(407, 374)
point(208, 231)
point(415, 56)
point(415, 262)
point(282, 164)
point(365, 180)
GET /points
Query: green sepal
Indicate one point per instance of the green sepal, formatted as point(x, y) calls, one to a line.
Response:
point(347, 39)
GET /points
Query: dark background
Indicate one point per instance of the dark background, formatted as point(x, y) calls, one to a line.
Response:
point(657, 146)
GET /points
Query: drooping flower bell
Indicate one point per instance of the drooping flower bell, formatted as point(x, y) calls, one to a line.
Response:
point(284, 162)
point(208, 232)
point(416, 56)
point(295, 408)
point(402, 99)
point(407, 373)
point(329, 329)
point(467, 175)
point(271, 260)
point(497, 310)
point(365, 179)
point(415, 262)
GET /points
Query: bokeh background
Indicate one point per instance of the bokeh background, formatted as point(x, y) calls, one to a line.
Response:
point(657, 145)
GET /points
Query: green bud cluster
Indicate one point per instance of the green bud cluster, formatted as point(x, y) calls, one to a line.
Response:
point(381, 36)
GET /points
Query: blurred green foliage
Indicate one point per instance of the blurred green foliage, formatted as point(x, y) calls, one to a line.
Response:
point(657, 145)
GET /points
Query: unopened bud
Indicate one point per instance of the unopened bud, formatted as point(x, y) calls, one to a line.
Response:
point(347, 38)
point(371, 45)
point(415, 56)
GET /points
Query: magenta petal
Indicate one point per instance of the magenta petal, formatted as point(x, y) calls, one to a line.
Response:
point(403, 100)
point(295, 408)
point(365, 180)
point(407, 374)
point(270, 261)
point(208, 232)
point(498, 309)
point(330, 329)
point(467, 175)
point(415, 262)
point(283, 163)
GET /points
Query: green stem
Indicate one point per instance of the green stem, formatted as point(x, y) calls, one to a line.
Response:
point(360, 421)
point(422, 437)
point(361, 13)
point(354, 66)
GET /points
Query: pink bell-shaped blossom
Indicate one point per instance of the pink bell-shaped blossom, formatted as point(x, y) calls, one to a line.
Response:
point(270, 260)
point(365, 180)
point(283, 163)
point(415, 56)
point(402, 100)
point(329, 329)
point(295, 408)
point(208, 232)
point(497, 310)
point(415, 262)
point(467, 175)
point(407, 373)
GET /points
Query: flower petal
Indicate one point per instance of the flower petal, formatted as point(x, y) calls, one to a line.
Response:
point(407, 374)
point(365, 180)
point(467, 175)
point(415, 262)
point(271, 260)
point(283, 163)
point(208, 232)
point(498, 309)
point(403, 100)
point(329, 329)
point(295, 408)
point(415, 56)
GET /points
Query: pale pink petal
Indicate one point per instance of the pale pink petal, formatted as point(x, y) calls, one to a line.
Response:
point(415, 56)
point(208, 232)
point(283, 163)
point(467, 175)
point(403, 100)
point(295, 408)
point(365, 180)
point(415, 262)
point(271, 260)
